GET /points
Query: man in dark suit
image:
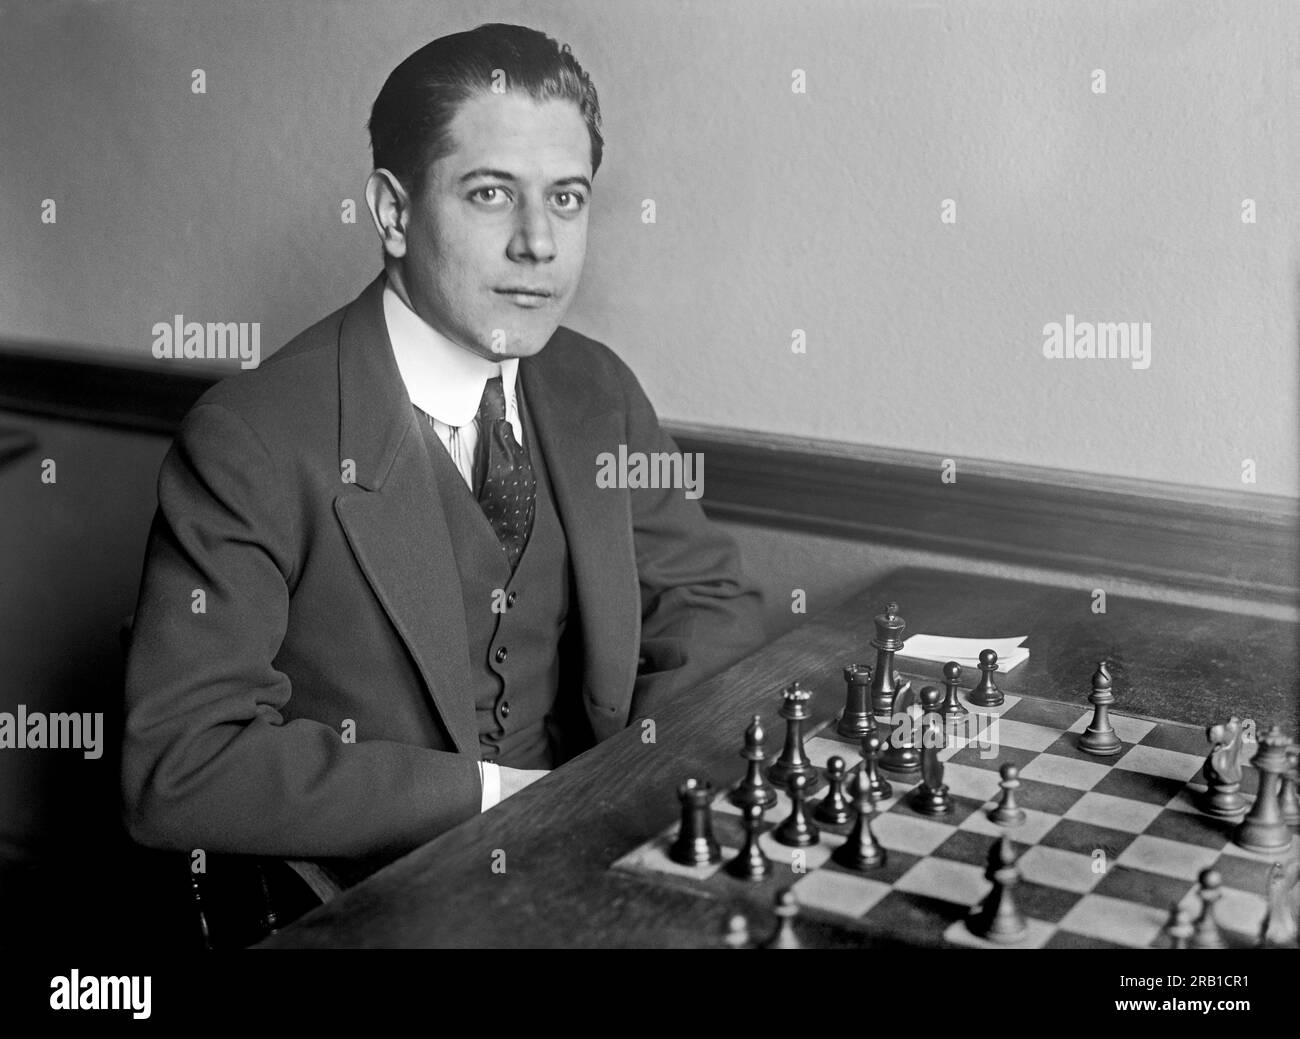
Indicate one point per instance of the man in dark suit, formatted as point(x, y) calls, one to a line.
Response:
point(384, 587)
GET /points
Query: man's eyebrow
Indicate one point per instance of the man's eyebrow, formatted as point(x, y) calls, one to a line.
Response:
point(503, 175)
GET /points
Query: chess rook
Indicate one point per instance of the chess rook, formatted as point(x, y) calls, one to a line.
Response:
point(952, 707)
point(857, 719)
point(793, 761)
point(888, 641)
point(695, 844)
point(1099, 737)
point(753, 788)
point(986, 693)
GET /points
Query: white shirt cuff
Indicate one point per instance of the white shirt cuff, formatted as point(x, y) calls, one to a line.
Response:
point(491, 784)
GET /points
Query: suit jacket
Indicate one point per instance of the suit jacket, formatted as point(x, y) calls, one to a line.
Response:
point(300, 581)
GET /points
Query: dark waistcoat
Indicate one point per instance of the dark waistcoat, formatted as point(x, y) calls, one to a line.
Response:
point(523, 641)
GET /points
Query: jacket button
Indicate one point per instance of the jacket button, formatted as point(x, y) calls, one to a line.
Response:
point(510, 599)
point(501, 653)
point(505, 709)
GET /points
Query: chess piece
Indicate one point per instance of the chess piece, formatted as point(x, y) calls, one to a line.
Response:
point(1281, 922)
point(737, 936)
point(1222, 771)
point(931, 797)
point(857, 719)
point(998, 919)
point(1099, 737)
point(695, 844)
point(753, 789)
point(1264, 829)
point(986, 693)
point(793, 761)
point(888, 641)
point(952, 707)
point(787, 908)
point(1179, 929)
point(901, 755)
point(750, 863)
point(797, 831)
point(1008, 813)
point(1286, 798)
point(834, 809)
point(861, 851)
point(1206, 934)
point(878, 789)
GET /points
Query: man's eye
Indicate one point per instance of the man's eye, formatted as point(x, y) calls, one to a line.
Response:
point(492, 196)
point(570, 201)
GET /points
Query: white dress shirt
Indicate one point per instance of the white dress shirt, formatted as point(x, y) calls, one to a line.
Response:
point(446, 382)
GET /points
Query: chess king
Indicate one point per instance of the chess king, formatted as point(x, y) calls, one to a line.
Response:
point(415, 597)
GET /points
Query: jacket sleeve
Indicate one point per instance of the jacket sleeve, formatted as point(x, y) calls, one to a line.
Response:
point(699, 612)
point(209, 760)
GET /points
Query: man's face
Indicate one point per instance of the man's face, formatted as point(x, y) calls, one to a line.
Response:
point(497, 237)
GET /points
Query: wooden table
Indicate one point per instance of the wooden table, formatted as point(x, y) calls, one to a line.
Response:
point(560, 835)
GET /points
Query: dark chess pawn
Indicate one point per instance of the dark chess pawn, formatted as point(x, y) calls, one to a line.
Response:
point(1099, 737)
point(878, 788)
point(787, 908)
point(861, 851)
point(1007, 812)
point(931, 797)
point(1264, 829)
point(798, 831)
point(751, 863)
point(857, 719)
point(986, 693)
point(793, 760)
point(1206, 934)
point(901, 755)
point(1222, 771)
point(695, 844)
point(952, 707)
point(834, 809)
point(753, 789)
point(737, 936)
point(1287, 799)
point(998, 919)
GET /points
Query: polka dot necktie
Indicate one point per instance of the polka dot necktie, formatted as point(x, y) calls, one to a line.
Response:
point(508, 488)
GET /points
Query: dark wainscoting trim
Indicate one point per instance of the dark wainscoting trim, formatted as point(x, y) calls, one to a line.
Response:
point(1237, 544)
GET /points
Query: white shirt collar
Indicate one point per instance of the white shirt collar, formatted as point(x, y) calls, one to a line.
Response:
point(442, 379)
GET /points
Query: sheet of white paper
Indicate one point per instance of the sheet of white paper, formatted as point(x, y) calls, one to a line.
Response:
point(940, 649)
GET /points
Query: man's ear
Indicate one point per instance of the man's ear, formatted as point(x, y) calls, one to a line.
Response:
point(390, 209)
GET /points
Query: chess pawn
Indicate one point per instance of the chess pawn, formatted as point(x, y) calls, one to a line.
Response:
point(1206, 934)
point(878, 789)
point(1222, 771)
point(998, 919)
point(888, 641)
point(737, 936)
point(751, 863)
point(1007, 812)
point(1099, 737)
point(901, 755)
point(1179, 929)
point(787, 908)
point(1287, 800)
point(1264, 829)
point(861, 851)
point(753, 788)
point(1280, 922)
point(695, 844)
point(834, 809)
point(952, 707)
point(931, 797)
point(857, 719)
point(986, 693)
point(797, 831)
point(793, 761)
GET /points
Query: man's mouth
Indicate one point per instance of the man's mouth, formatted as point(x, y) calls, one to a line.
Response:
point(526, 295)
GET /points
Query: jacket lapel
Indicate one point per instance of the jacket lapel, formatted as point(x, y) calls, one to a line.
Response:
point(397, 529)
point(574, 425)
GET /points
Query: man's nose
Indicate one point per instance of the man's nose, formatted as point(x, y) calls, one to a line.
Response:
point(532, 239)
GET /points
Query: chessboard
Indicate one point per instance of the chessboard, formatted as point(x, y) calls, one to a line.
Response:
point(1107, 848)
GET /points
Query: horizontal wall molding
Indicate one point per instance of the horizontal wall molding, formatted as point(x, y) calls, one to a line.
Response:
point(1238, 544)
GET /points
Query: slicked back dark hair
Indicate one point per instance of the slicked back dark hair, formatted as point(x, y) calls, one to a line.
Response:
point(410, 123)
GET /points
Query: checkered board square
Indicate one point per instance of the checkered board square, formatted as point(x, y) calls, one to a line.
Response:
point(1107, 847)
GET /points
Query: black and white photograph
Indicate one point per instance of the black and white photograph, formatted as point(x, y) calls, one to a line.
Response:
point(652, 475)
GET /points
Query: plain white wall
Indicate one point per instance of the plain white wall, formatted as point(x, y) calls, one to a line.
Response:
point(775, 210)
